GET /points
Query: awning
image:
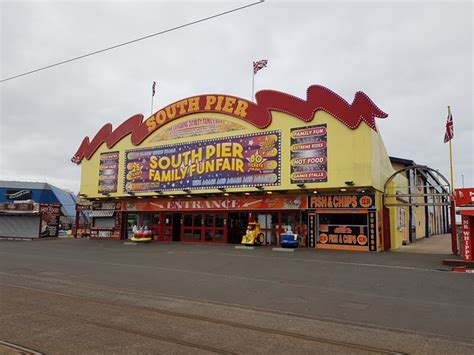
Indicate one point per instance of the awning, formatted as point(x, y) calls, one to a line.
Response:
point(102, 213)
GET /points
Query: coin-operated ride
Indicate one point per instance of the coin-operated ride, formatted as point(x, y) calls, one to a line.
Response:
point(289, 239)
point(253, 235)
point(142, 235)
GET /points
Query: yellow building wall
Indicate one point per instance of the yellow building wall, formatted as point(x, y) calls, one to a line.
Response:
point(399, 215)
point(419, 212)
point(348, 152)
point(352, 155)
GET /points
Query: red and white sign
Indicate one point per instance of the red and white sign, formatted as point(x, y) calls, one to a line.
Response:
point(467, 235)
point(464, 197)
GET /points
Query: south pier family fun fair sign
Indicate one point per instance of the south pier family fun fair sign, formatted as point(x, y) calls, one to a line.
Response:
point(238, 161)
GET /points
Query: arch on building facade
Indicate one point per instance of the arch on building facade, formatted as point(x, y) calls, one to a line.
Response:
point(438, 198)
point(427, 189)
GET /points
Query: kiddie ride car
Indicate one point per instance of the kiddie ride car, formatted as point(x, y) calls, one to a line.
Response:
point(289, 239)
point(142, 235)
point(253, 235)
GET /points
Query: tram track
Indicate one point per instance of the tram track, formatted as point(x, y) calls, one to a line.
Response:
point(121, 329)
point(243, 307)
point(187, 316)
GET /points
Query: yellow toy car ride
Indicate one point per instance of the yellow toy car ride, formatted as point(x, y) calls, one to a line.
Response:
point(253, 235)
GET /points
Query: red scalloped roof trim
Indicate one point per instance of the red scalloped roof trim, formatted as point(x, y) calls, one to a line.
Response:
point(258, 114)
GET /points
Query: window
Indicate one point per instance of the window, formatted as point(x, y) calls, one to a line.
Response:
point(343, 229)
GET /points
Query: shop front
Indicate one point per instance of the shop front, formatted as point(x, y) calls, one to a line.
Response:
point(201, 169)
point(216, 220)
point(345, 222)
point(27, 219)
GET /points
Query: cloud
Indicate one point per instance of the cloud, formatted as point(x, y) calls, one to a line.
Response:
point(411, 58)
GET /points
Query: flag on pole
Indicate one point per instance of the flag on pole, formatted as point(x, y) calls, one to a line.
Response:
point(153, 89)
point(449, 128)
point(259, 65)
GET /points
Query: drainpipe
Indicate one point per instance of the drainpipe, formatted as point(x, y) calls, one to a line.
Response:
point(454, 242)
point(427, 212)
point(412, 226)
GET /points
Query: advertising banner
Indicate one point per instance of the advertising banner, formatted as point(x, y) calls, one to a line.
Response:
point(50, 214)
point(230, 203)
point(467, 237)
point(106, 205)
point(464, 197)
point(312, 229)
point(18, 195)
point(17, 207)
point(108, 172)
point(372, 231)
point(196, 127)
point(309, 154)
point(343, 235)
point(238, 161)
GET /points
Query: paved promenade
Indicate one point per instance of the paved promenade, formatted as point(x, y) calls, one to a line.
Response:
point(81, 296)
point(436, 244)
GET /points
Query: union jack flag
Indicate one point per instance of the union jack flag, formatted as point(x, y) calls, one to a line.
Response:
point(449, 129)
point(153, 89)
point(259, 65)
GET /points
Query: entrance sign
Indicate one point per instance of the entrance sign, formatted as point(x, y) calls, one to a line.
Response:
point(239, 161)
point(237, 203)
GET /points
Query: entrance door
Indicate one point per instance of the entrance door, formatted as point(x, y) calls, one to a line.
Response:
point(214, 228)
point(176, 227)
point(167, 227)
point(204, 227)
point(237, 225)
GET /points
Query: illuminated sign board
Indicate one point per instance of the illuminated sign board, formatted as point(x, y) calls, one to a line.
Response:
point(238, 161)
point(342, 201)
point(309, 154)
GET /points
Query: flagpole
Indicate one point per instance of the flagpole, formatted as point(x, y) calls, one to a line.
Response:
point(152, 96)
point(454, 244)
point(451, 157)
point(253, 83)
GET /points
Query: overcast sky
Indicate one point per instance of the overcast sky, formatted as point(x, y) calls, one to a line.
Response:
point(412, 58)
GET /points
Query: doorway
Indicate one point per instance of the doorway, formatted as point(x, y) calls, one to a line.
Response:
point(236, 227)
point(204, 227)
point(171, 227)
point(176, 227)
